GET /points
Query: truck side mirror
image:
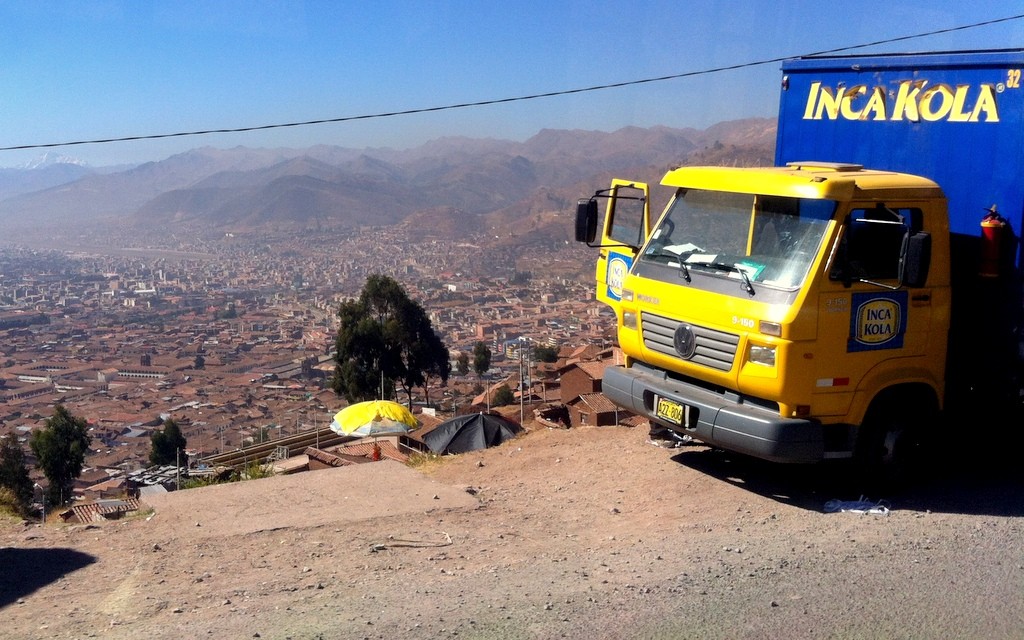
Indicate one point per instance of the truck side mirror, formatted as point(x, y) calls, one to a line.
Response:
point(586, 220)
point(915, 257)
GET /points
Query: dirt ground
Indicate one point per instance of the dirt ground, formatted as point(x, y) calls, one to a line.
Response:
point(582, 533)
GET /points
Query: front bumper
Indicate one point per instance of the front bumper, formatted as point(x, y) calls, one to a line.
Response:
point(723, 419)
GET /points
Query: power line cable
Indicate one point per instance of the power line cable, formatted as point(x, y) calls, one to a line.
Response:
point(535, 96)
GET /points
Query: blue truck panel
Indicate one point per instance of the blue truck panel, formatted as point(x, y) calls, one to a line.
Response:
point(953, 117)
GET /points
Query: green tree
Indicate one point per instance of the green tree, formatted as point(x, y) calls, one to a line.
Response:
point(481, 363)
point(262, 434)
point(14, 474)
point(481, 358)
point(421, 353)
point(385, 339)
point(439, 363)
point(462, 363)
point(503, 396)
point(60, 449)
point(166, 444)
point(545, 354)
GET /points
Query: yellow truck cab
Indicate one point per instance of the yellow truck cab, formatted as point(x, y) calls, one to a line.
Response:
point(793, 313)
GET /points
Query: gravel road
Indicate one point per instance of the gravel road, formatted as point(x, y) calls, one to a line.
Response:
point(582, 533)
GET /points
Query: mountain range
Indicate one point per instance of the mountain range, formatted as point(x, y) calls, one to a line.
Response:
point(447, 186)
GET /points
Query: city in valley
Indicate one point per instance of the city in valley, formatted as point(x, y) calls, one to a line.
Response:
point(205, 288)
point(232, 336)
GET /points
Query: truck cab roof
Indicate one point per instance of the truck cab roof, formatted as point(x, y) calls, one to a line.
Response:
point(808, 179)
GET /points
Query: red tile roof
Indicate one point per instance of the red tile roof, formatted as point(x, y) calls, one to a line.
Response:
point(102, 510)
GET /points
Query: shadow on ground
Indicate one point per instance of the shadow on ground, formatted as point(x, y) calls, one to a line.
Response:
point(27, 570)
point(971, 482)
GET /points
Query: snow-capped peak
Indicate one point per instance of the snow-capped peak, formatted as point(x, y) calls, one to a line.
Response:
point(51, 158)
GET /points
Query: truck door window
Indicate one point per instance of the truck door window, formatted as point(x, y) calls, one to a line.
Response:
point(873, 242)
point(626, 208)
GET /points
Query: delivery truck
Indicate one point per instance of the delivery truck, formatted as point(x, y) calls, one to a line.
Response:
point(852, 301)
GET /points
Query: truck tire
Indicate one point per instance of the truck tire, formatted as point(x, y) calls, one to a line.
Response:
point(891, 452)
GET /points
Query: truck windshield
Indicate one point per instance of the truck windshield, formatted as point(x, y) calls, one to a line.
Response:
point(761, 239)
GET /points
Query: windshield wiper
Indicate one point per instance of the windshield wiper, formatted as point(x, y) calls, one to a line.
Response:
point(672, 259)
point(683, 270)
point(748, 286)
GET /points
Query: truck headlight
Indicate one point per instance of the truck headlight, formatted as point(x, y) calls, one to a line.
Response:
point(629, 320)
point(761, 354)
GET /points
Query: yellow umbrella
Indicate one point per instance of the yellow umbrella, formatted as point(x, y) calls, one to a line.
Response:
point(374, 417)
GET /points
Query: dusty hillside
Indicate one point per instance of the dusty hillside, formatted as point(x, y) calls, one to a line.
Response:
point(586, 533)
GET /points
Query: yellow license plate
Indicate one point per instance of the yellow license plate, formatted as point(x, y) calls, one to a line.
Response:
point(671, 411)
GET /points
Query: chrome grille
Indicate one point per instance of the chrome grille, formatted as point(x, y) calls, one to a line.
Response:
point(715, 349)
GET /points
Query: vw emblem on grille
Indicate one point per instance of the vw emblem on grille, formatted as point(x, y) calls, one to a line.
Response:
point(684, 340)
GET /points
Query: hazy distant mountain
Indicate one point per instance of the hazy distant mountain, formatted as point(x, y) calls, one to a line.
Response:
point(248, 189)
point(47, 171)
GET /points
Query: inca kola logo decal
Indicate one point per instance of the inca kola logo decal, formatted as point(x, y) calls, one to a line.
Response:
point(878, 321)
point(618, 266)
point(910, 100)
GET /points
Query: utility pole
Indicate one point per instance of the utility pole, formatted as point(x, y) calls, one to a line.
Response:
point(522, 389)
point(42, 499)
point(529, 372)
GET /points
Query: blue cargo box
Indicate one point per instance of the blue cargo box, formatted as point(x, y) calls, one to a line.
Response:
point(954, 117)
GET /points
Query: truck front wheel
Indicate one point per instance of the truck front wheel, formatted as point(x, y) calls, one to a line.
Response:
point(890, 448)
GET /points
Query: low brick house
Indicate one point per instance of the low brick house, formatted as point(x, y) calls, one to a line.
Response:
point(594, 410)
point(581, 378)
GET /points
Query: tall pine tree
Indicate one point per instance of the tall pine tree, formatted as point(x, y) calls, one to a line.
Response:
point(385, 339)
point(14, 474)
point(60, 448)
point(167, 444)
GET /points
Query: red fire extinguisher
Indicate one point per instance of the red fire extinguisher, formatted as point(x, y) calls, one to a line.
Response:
point(993, 226)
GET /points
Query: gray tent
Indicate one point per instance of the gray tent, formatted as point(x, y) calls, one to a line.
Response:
point(470, 432)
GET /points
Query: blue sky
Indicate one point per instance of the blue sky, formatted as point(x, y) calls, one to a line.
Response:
point(83, 70)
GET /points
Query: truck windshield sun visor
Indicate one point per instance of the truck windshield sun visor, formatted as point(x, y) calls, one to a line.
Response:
point(756, 239)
